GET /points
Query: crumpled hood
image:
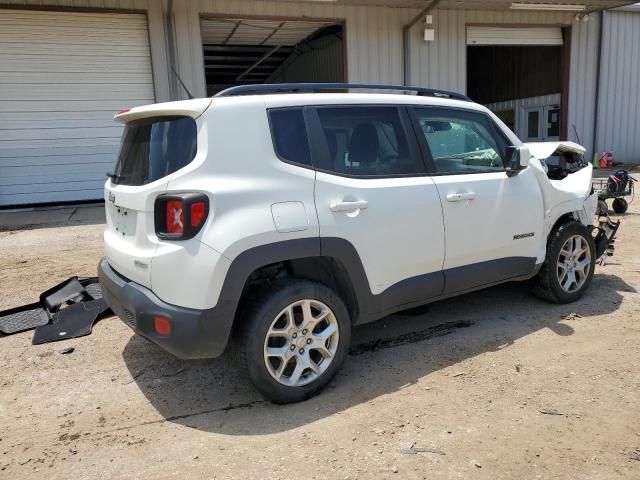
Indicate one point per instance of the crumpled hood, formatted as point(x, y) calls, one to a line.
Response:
point(543, 150)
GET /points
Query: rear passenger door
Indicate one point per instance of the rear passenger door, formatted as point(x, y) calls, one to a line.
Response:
point(492, 222)
point(372, 190)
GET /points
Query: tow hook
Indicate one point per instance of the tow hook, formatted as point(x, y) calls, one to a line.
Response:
point(605, 238)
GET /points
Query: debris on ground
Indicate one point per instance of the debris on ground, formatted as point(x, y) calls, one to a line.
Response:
point(64, 351)
point(551, 411)
point(413, 450)
point(634, 454)
point(571, 316)
point(67, 310)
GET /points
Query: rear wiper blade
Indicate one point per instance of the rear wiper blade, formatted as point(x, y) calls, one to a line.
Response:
point(115, 177)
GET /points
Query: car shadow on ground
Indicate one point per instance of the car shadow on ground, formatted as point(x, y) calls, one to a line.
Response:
point(387, 355)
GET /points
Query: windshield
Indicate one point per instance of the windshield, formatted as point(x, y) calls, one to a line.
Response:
point(154, 148)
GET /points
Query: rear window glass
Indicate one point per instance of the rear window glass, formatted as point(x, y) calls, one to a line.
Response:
point(154, 148)
point(290, 135)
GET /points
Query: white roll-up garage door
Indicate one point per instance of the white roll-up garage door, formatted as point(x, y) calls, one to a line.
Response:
point(62, 77)
point(514, 36)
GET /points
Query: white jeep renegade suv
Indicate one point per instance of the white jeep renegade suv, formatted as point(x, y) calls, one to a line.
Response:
point(283, 219)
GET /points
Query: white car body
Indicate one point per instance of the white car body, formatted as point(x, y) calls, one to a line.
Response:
point(407, 227)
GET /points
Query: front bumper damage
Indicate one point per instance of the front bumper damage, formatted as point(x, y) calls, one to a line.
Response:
point(605, 237)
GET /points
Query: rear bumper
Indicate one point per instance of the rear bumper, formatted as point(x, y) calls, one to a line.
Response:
point(194, 333)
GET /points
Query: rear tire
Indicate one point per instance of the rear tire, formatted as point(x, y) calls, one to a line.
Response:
point(620, 205)
point(294, 339)
point(569, 264)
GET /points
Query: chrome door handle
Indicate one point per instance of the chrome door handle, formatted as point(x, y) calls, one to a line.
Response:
point(348, 206)
point(460, 197)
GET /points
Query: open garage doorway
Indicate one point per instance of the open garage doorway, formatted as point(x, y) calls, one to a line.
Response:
point(240, 51)
point(519, 74)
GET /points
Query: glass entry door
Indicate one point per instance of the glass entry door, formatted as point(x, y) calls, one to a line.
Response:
point(542, 124)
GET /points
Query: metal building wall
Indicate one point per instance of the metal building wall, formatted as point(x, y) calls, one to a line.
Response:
point(619, 102)
point(374, 44)
point(585, 36)
point(373, 35)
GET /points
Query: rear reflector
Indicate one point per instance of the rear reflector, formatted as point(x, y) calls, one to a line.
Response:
point(175, 216)
point(198, 211)
point(162, 326)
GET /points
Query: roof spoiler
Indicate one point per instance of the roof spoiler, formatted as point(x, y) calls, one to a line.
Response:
point(314, 87)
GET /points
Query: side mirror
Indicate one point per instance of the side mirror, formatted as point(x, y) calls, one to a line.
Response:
point(516, 159)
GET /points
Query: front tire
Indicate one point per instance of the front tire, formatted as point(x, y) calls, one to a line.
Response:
point(569, 264)
point(294, 339)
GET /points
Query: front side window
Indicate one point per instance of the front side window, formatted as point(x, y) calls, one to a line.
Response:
point(461, 141)
point(289, 135)
point(367, 141)
point(153, 148)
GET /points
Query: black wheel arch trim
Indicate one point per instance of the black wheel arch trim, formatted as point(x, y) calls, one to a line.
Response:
point(205, 333)
point(407, 293)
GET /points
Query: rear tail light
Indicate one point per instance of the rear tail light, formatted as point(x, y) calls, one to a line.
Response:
point(174, 211)
point(180, 216)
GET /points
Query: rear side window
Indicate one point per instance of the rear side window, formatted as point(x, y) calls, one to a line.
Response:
point(367, 142)
point(154, 148)
point(289, 135)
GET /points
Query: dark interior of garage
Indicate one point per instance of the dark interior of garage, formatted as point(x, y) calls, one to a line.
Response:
point(500, 73)
point(244, 51)
point(522, 85)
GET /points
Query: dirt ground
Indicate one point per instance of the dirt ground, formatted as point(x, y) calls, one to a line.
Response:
point(499, 385)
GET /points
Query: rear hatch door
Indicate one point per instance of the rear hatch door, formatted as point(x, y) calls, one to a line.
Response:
point(157, 142)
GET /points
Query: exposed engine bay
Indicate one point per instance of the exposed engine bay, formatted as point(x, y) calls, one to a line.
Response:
point(568, 190)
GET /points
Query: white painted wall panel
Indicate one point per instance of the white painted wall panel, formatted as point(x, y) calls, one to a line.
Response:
point(58, 97)
point(582, 91)
point(619, 103)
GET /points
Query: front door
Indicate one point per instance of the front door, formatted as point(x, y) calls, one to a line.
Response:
point(373, 191)
point(493, 222)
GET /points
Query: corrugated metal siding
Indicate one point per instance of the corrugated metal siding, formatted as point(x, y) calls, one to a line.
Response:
point(442, 63)
point(317, 65)
point(582, 89)
point(619, 103)
point(374, 34)
point(374, 45)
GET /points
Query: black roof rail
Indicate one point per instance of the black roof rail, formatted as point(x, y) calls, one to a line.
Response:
point(298, 87)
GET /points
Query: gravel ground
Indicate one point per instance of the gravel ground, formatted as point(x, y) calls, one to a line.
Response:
point(495, 384)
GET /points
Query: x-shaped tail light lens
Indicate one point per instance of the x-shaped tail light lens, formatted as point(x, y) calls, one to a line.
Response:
point(180, 216)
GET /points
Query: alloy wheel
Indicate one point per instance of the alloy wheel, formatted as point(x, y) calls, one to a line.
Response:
point(574, 262)
point(301, 343)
